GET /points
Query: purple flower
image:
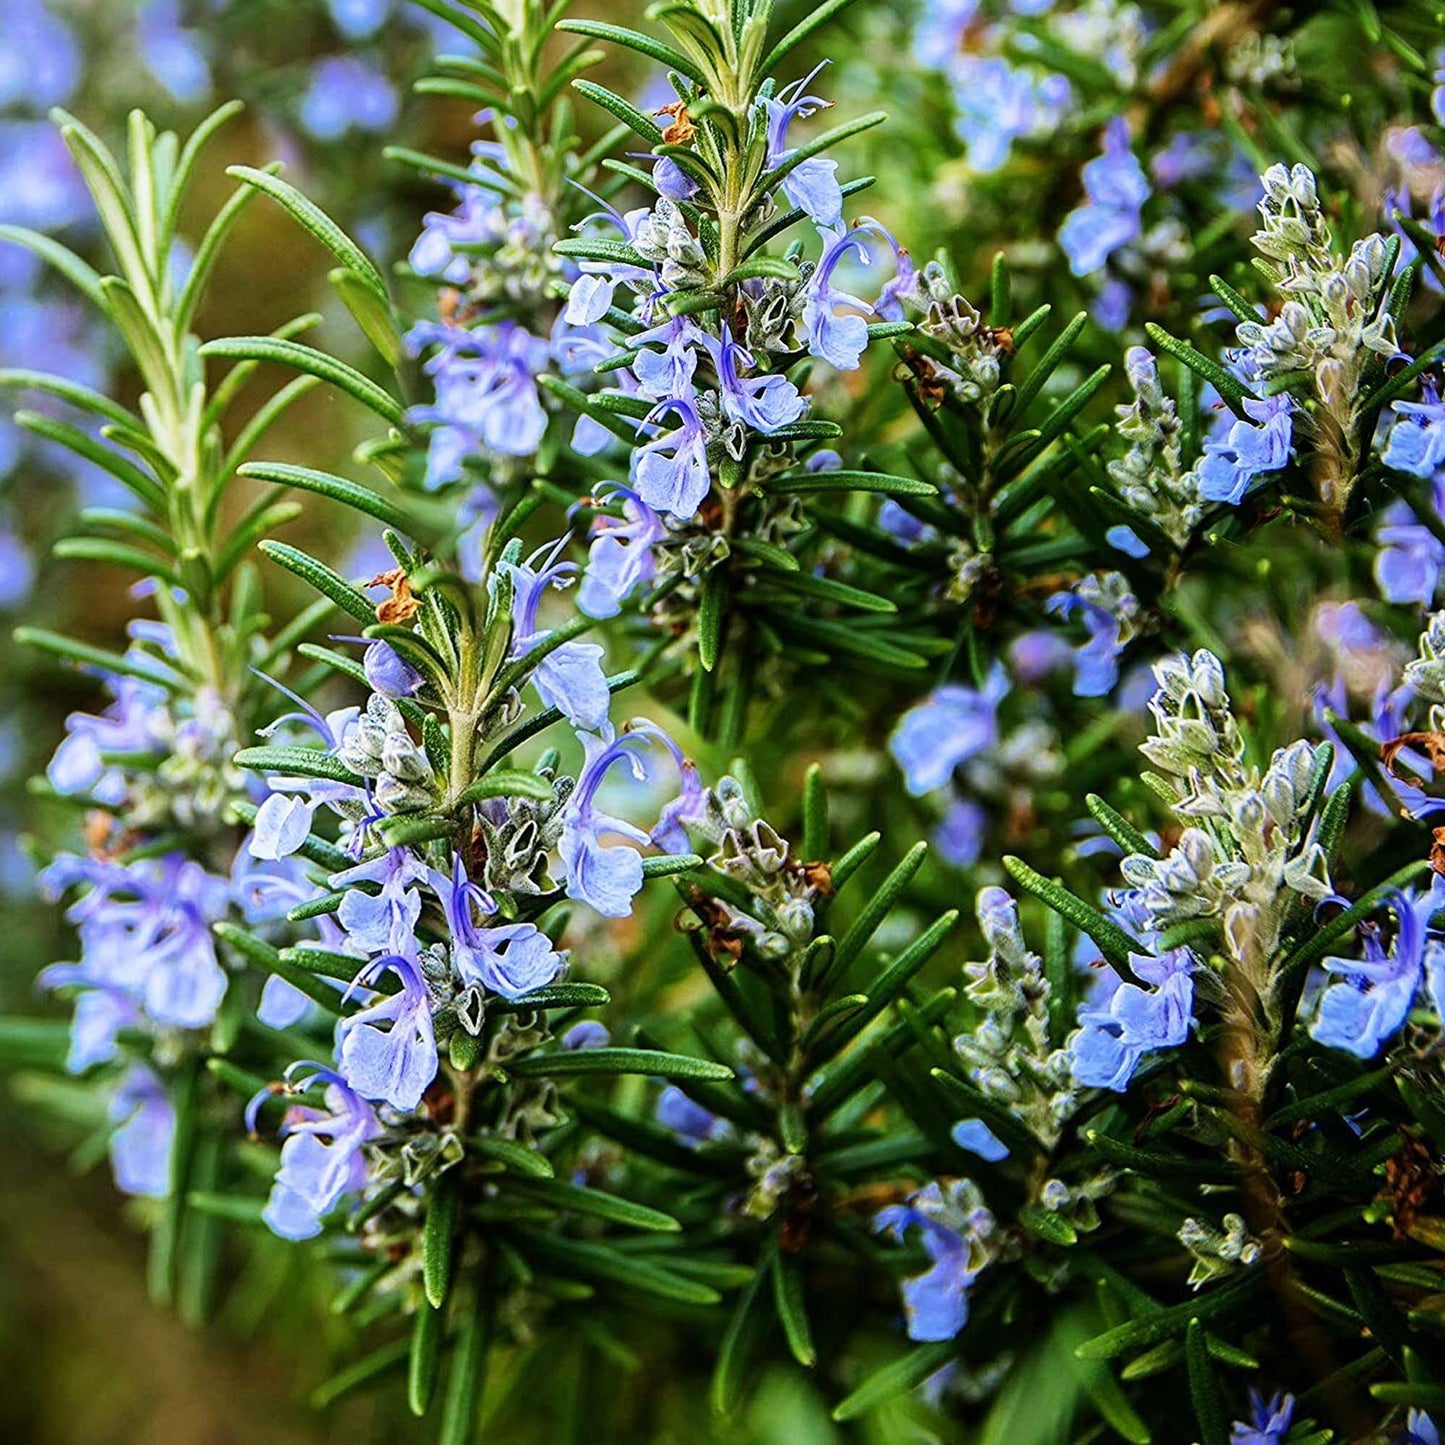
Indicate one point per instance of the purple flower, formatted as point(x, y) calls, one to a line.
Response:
point(358, 19)
point(1111, 217)
point(668, 372)
point(345, 94)
point(953, 725)
point(620, 559)
point(140, 1147)
point(1420, 1429)
point(953, 1230)
point(1121, 1022)
point(1368, 999)
point(999, 104)
point(594, 288)
point(692, 1123)
point(589, 1034)
point(1268, 1423)
point(608, 877)
point(1232, 463)
point(960, 836)
point(812, 185)
point(145, 931)
point(1411, 556)
point(321, 1159)
point(570, 677)
point(478, 220)
point(511, 959)
point(388, 672)
point(392, 1065)
point(671, 180)
point(41, 61)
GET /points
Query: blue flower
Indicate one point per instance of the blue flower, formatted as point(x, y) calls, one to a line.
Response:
point(358, 19)
point(570, 677)
point(1368, 1000)
point(439, 251)
point(841, 340)
point(1230, 464)
point(765, 403)
point(692, 1123)
point(975, 1136)
point(620, 559)
point(1109, 611)
point(668, 371)
point(347, 94)
point(589, 1034)
point(1269, 1421)
point(1121, 1022)
point(959, 838)
point(954, 1230)
point(140, 1147)
point(999, 104)
point(392, 1065)
point(1417, 438)
point(953, 725)
point(171, 52)
point(486, 394)
point(385, 921)
point(1420, 1429)
point(510, 959)
point(321, 1159)
point(41, 61)
point(812, 185)
point(608, 877)
point(145, 930)
point(1411, 556)
point(670, 473)
point(1111, 217)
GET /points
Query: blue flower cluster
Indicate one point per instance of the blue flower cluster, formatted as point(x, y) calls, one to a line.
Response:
point(416, 985)
point(706, 393)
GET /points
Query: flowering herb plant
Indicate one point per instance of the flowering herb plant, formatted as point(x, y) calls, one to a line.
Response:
point(824, 824)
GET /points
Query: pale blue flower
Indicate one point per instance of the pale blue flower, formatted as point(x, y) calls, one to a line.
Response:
point(511, 959)
point(1122, 1023)
point(812, 185)
point(347, 94)
point(1248, 450)
point(570, 677)
point(321, 1159)
point(975, 1136)
point(391, 1065)
point(1368, 999)
point(140, 1147)
point(608, 876)
point(1111, 217)
point(953, 1230)
point(954, 724)
point(670, 473)
point(620, 559)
